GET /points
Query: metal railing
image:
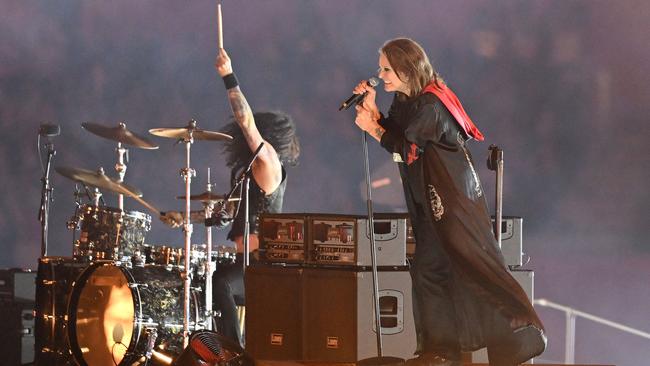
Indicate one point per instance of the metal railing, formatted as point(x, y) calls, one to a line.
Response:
point(571, 315)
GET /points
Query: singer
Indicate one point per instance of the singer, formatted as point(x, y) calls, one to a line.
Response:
point(463, 296)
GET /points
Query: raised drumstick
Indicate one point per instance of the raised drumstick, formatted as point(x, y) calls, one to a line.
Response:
point(219, 26)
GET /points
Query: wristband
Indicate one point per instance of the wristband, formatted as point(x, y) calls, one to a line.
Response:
point(230, 80)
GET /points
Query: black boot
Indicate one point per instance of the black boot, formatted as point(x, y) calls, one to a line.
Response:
point(518, 347)
point(531, 341)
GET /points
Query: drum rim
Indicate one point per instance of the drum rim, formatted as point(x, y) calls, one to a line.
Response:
point(116, 210)
point(73, 303)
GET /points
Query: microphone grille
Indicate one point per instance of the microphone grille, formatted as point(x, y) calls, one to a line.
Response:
point(373, 81)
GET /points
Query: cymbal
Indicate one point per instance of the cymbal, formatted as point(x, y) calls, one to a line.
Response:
point(208, 196)
point(119, 134)
point(184, 133)
point(98, 179)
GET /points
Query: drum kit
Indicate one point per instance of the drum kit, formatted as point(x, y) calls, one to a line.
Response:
point(118, 300)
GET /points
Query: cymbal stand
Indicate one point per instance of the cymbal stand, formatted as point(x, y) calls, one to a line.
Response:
point(187, 174)
point(120, 167)
point(208, 207)
point(97, 196)
point(46, 199)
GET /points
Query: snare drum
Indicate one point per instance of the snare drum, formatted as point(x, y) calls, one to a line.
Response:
point(114, 310)
point(109, 233)
point(173, 258)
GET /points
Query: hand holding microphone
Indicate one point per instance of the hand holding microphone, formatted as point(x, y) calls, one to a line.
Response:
point(363, 89)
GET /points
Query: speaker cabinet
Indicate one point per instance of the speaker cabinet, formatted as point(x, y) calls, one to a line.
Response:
point(326, 314)
point(273, 312)
point(339, 315)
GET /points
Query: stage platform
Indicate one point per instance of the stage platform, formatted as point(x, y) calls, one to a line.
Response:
point(294, 363)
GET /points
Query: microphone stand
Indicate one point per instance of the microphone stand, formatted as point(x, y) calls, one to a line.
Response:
point(46, 199)
point(244, 177)
point(380, 359)
point(495, 162)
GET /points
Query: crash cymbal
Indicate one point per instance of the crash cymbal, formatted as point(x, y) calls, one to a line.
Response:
point(98, 179)
point(184, 133)
point(208, 196)
point(120, 134)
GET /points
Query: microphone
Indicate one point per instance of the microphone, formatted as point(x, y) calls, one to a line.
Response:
point(358, 98)
point(49, 130)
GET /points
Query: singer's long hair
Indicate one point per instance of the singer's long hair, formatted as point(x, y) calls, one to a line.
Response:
point(275, 127)
point(411, 64)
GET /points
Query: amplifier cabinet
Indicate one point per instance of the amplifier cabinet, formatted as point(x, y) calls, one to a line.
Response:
point(283, 238)
point(17, 285)
point(511, 240)
point(16, 333)
point(345, 240)
point(390, 240)
point(332, 239)
point(326, 314)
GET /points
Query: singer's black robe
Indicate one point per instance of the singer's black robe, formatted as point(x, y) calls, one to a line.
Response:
point(447, 206)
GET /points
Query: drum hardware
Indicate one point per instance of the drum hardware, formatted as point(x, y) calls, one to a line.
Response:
point(122, 136)
point(208, 207)
point(152, 334)
point(187, 135)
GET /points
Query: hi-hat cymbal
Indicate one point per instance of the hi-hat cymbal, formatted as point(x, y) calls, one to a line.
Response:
point(119, 134)
point(98, 179)
point(208, 196)
point(184, 133)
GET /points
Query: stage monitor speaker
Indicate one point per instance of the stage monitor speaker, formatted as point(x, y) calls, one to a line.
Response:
point(338, 315)
point(273, 312)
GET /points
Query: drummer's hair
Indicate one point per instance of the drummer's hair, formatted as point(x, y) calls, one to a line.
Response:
point(275, 127)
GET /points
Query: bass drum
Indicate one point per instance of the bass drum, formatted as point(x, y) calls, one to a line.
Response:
point(119, 314)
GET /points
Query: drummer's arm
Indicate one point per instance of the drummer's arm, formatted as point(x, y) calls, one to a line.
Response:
point(267, 169)
point(176, 218)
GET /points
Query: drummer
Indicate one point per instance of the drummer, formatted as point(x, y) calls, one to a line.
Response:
point(281, 147)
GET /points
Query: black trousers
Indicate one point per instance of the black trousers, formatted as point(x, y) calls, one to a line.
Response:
point(227, 293)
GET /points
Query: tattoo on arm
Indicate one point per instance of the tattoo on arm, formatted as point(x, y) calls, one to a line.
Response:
point(379, 132)
point(240, 108)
